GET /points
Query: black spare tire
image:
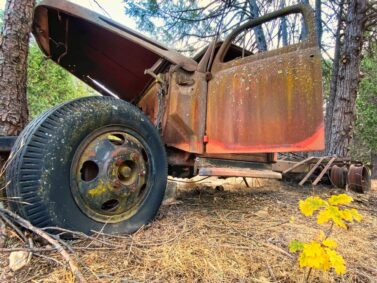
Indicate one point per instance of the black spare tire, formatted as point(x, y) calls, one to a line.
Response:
point(95, 163)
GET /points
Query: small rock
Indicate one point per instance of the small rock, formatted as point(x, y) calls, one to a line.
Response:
point(18, 260)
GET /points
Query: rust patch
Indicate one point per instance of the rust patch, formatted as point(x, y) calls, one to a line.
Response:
point(269, 105)
point(186, 111)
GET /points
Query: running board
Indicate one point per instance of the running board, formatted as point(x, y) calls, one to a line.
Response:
point(239, 172)
point(234, 168)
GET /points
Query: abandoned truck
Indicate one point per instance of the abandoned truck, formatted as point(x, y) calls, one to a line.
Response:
point(102, 162)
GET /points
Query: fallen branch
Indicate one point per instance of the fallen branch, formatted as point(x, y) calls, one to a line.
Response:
point(83, 236)
point(2, 233)
point(55, 243)
point(32, 250)
point(18, 232)
point(277, 249)
point(94, 239)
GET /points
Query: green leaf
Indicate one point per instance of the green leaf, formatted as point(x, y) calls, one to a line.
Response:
point(295, 246)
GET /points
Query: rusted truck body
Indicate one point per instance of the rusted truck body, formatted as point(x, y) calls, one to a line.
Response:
point(266, 103)
point(225, 112)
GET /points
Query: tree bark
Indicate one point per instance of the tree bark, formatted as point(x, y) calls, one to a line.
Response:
point(343, 116)
point(373, 157)
point(14, 45)
point(334, 77)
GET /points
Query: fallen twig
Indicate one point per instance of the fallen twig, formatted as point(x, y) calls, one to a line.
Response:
point(83, 236)
point(55, 243)
point(19, 234)
point(276, 248)
point(144, 244)
point(48, 258)
point(9, 250)
point(2, 233)
point(270, 271)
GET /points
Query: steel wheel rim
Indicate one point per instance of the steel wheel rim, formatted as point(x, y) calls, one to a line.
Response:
point(109, 174)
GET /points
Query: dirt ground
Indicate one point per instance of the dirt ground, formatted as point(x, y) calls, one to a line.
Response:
point(214, 233)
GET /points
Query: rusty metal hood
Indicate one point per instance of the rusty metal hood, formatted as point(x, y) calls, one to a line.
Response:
point(106, 55)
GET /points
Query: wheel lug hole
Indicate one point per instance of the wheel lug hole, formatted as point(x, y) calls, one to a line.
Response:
point(110, 205)
point(89, 171)
point(116, 139)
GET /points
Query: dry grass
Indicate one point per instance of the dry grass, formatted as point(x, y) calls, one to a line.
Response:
point(234, 235)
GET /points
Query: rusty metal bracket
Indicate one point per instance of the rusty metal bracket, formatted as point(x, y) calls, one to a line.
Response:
point(161, 94)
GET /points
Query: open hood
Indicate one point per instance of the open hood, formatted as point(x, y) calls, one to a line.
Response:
point(106, 55)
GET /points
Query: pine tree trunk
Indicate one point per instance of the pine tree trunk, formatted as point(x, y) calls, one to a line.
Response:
point(343, 116)
point(334, 77)
point(373, 156)
point(14, 45)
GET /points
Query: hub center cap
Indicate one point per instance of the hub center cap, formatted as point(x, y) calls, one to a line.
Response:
point(109, 175)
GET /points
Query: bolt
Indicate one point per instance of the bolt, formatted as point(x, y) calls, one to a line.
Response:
point(125, 171)
point(119, 161)
point(134, 156)
point(132, 189)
